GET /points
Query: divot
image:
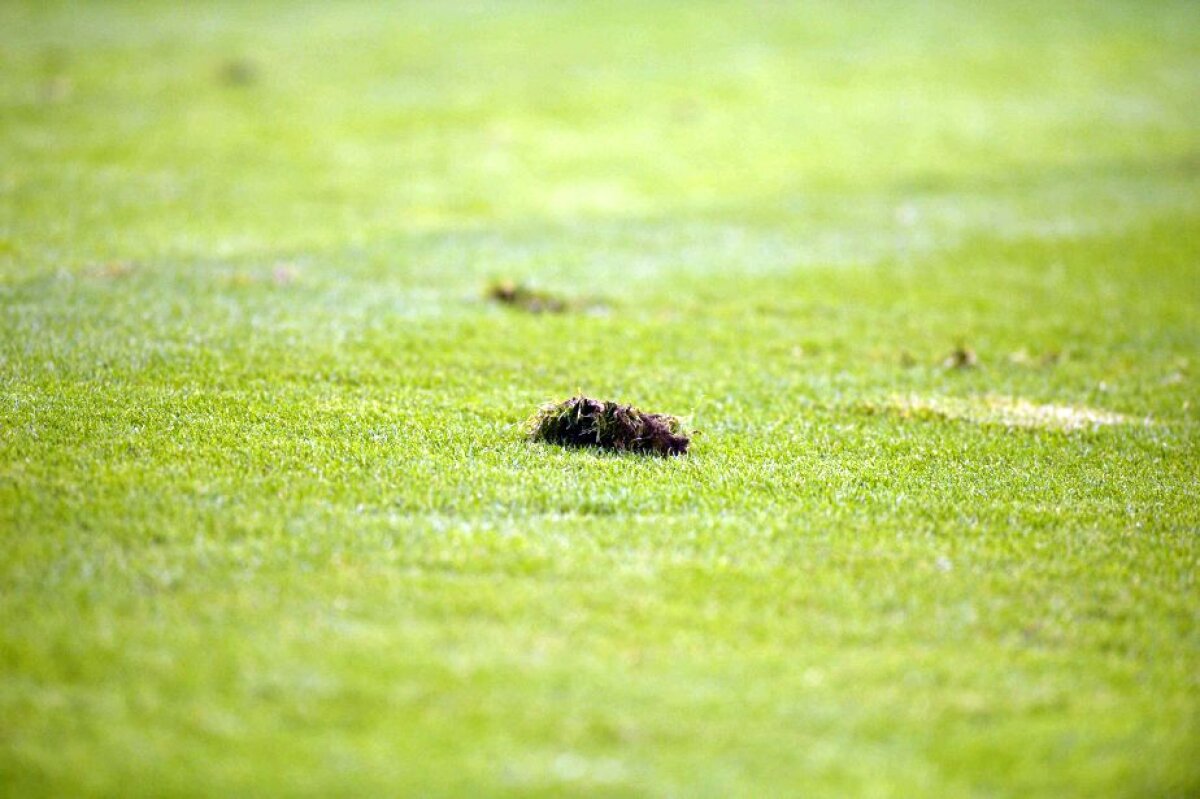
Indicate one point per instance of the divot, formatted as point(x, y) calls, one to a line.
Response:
point(585, 422)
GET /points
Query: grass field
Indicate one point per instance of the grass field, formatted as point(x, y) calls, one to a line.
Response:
point(269, 523)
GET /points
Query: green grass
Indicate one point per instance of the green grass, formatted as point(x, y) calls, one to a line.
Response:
point(269, 522)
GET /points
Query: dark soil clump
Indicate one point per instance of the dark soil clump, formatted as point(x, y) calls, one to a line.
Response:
point(524, 298)
point(521, 297)
point(585, 422)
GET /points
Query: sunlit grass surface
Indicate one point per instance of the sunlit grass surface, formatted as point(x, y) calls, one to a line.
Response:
point(269, 522)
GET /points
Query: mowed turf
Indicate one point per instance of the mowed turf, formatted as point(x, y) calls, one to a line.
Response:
point(269, 525)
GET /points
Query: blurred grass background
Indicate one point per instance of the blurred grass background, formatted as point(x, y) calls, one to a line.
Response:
point(433, 116)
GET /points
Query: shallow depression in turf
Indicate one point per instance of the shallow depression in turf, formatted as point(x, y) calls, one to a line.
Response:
point(1006, 412)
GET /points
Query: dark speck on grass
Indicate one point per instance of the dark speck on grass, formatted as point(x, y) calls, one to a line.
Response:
point(585, 422)
point(238, 72)
point(961, 357)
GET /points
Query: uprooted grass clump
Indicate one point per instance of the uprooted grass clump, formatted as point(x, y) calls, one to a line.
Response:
point(585, 422)
point(524, 298)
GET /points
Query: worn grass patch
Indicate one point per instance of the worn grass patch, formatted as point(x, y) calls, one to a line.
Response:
point(1002, 411)
point(586, 422)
